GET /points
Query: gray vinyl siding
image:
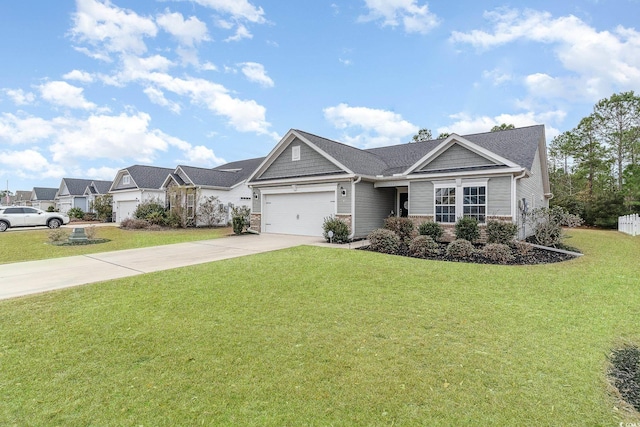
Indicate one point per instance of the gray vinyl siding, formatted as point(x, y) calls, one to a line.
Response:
point(255, 204)
point(456, 157)
point(532, 188)
point(421, 198)
point(310, 163)
point(499, 196)
point(373, 205)
point(120, 186)
point(183, 176)
point(344, 202)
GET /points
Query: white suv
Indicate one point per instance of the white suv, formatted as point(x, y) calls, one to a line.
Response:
point(24, 216)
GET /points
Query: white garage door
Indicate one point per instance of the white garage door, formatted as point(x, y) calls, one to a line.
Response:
point(125, 209)
point(298, 213)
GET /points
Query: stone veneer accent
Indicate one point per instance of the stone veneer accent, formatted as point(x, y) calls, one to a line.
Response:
point(254, 221)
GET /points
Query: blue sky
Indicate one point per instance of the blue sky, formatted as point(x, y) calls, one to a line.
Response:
point(90, 87)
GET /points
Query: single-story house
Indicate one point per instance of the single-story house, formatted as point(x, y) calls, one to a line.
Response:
point(22, 198)
point(43, 197)
point(95, 189)
point(227, 182)
point(307, 178)
point(136, 184)
point(71, 194)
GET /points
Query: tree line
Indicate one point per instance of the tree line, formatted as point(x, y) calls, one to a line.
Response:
point(594, 169)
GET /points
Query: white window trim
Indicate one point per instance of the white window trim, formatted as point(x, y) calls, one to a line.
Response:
point(460, 184)
point(126, 179)
point(295, 153)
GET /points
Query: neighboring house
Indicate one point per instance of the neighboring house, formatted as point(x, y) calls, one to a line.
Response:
point(136, 184)
point(22, 198)
point(43, 197)
point(227, 182)
point(71, 194)
point(95, 189)
point(307, 178)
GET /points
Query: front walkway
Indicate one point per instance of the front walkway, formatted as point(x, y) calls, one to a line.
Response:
point(25, 278)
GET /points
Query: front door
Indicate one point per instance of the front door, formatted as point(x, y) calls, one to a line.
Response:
point(404, 204)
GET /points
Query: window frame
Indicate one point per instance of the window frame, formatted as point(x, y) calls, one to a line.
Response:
point(295, 153)
point(126, 179)
point(460, 203)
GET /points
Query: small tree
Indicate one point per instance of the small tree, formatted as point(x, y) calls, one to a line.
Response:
point(423, 134)
point(211, 212)
point(103, 206)
point(240, 218)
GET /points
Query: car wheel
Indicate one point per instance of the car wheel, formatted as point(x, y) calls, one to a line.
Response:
point(3, 226)
point(54, 223)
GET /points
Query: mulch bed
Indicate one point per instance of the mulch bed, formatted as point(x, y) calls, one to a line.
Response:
point(535, 256)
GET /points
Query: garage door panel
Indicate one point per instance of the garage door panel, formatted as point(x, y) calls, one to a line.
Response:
point(298, 213)
point(126, 209)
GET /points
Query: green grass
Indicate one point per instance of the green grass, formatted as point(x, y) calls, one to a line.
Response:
point(318, 336)
point(29, 245)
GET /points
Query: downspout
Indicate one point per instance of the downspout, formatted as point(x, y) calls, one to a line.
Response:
point(353, 206)
point(514, 203)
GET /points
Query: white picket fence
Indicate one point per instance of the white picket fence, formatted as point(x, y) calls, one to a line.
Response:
point(629, 224)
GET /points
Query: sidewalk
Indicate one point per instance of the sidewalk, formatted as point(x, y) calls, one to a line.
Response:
point(25, 278)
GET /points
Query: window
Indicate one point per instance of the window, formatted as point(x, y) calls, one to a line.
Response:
point(295, 153)
point(475, 202)
point(191, 203)
point(446, 204)
point(453, 201)
point(126, 180)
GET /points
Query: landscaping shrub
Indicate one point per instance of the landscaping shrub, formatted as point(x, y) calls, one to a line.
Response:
point(148, 207)
point(498, 252)
point(133, 224)
point(384, 241)
point(338, 226)
point(90, 232)
point(625, 374)
point(460, 248)
point(467, 229)
point(431, 229)
point(240, 218)
point(403, 227)
point(501, 232)
point(522, 248)
point(51, 209)
point(76, 213)
point(59, 235)
point(156, 218)
point(89, 216)
point(423, 246)
point(548, 222)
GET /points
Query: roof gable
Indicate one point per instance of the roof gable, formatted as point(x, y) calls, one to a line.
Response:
point(43, 193)
point(73, 186)
point(142, 177)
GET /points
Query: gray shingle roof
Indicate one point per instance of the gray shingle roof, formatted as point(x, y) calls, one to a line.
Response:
point(518, 145)
point(101, 187)
point(224, 176)
point(76, 186)
point(44, 193)
point(148, 176)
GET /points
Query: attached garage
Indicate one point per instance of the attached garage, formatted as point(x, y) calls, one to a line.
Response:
point(125, 209)
point(300, 213)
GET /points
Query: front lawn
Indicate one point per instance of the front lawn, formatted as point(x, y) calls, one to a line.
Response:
point(319, 336)
point(30, 245)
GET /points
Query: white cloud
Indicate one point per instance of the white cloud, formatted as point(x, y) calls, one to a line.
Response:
point(157, 97)
point(242, 32)
point(465, 124)
point(600, 62)
point(238, 9)
point(188, 31)
point(107, 137)
point(102, 173)
point(376, 127)
point(497, 77)
point(255, 72)
point(81, 76)
point(65, 95)
point(21, 130)
point(111, 28)
point(19, 96)
point(413, 17)
point(29, 160)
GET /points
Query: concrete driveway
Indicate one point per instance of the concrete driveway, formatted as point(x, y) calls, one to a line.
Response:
point(24, 278)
